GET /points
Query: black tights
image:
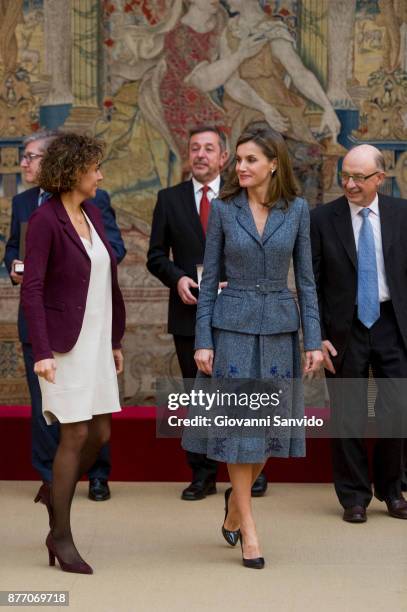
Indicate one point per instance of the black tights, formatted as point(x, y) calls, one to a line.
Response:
point(77, 451)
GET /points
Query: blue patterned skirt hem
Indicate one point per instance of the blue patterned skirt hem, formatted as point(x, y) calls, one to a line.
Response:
point(246, 356)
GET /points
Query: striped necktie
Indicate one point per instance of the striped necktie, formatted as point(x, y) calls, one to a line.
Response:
point(44, 196)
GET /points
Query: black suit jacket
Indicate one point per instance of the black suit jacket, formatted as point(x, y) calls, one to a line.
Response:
point(177, 227)
point(335, 265)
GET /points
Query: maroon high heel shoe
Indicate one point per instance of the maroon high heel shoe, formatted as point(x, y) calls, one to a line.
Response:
point(77, 568)
point(44, 496)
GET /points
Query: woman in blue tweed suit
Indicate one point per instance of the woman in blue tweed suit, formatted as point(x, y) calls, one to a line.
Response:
point(250, 330)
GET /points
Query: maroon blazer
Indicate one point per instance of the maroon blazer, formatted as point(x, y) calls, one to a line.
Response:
point(56, 280)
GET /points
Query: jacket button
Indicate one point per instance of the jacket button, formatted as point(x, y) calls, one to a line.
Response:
point(79, 307)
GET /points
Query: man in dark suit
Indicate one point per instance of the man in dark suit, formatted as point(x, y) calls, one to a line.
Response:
point(360, 258)
point(45, 437)
point(179, 224)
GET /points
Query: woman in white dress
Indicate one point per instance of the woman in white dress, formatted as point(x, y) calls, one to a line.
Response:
point(76, 319)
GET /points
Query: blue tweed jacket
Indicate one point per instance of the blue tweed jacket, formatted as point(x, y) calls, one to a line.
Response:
point(257, 299)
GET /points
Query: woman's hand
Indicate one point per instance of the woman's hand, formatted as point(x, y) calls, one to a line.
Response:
point(204, 360)
point(118, 360)
point(313, 361)
point(46, 369)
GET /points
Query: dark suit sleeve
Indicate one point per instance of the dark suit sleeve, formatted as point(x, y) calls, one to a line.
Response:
point(13, 243)
point(102, 201)
point(158, 260)
point(316, 247)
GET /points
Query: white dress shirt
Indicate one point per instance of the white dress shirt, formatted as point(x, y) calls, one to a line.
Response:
point(213, 191)
point(374, 218)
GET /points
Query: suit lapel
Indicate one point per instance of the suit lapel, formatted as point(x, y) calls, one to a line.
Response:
point(90, 210)
point(343, 226)
point(245, 218)
point(275, 218)
point(386, 224)
point(32, 201)
point(191, 212)
point(68, 227)
point(246, 221)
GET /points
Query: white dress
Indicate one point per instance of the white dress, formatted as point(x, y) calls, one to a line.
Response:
point(85, 378)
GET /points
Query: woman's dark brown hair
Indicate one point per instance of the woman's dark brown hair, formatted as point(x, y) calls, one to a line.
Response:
point(67, 158)
point(283, 185)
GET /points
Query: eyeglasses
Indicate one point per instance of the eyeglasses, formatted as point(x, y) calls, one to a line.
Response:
point(29, 157)
point(358, 179)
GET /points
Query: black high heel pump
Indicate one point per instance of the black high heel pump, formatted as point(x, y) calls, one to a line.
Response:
point(231, 537)
point(256, 563)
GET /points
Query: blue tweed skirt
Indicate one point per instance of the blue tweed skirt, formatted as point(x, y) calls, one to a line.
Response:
point(241, 356)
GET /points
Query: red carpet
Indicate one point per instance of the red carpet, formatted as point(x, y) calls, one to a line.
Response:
point(138, 455)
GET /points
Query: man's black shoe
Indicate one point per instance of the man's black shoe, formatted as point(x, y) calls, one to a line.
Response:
point(199, 489)
point(259, 486)
point(99, 489)
point(355, 514)
point(397, 507)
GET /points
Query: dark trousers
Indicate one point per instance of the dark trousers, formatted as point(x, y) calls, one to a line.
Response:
point(45, 438)
point(382, 348)
point(202, 467)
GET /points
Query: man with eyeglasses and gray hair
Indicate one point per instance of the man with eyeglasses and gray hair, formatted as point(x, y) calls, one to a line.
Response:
point(45, 437)
point(359, 250)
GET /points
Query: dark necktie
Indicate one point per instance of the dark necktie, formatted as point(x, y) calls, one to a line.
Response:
point(204, 208)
